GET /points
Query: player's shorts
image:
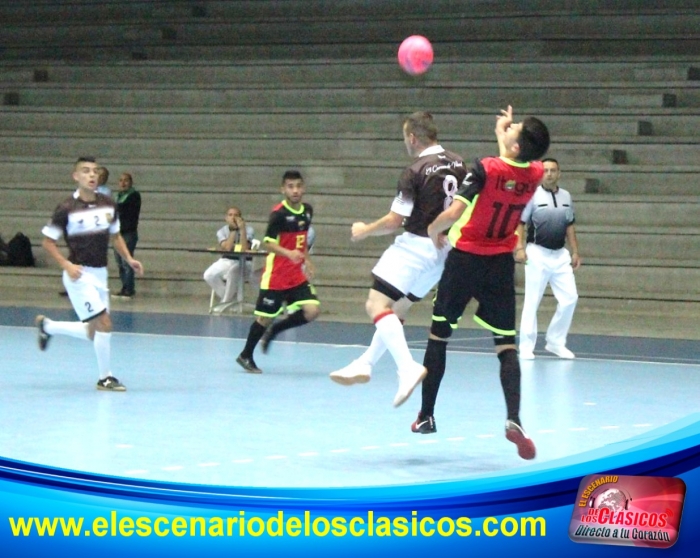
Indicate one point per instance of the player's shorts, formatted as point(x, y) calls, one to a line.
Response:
point(269, 304)
point(412, 264)
point(89, 294)
point(488, 279)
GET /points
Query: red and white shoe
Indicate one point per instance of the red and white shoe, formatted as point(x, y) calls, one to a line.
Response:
point(516, 434)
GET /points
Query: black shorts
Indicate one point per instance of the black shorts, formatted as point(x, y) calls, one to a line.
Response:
point(270, 302)
point(488, 279)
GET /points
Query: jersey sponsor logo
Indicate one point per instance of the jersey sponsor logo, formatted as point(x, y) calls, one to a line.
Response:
point(519, 188)
point(449, 166)
point(290, 218)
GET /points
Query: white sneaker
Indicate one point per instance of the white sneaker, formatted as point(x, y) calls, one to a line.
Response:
point(354, 373)
point(408, 380)
point(561, 352)
point(526, 354)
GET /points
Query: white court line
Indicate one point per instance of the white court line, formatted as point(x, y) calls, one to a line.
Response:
point(590, 403)
point(372, 448)
point(629, 359)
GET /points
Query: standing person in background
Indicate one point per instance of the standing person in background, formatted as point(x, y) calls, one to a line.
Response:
point(410, 267)
point(288, 270)
point(549, 220)
point(222, 276)
point(87, 220)
point(129, 208)
point(482, 221)
point(102, 178)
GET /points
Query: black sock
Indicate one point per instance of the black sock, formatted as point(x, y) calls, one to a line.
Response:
point(434, 360)
point(293, 320)
point(254, 335)
point(510, 382)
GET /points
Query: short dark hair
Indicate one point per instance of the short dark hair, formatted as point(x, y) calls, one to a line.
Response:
point(533, 140)
point(551, 160)
point(292, 175)
point(85, 159)
point(103, 174)
point(421, 125)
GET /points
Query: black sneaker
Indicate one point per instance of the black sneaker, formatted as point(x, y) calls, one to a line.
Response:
point(42, 336)
point(110, 383)
point(266, 339)
point(248, 364)
point(424, 425)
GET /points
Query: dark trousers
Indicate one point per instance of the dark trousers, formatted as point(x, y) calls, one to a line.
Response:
point(126, 274)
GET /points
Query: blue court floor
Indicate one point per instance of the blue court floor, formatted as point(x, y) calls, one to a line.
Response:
point(192, 415)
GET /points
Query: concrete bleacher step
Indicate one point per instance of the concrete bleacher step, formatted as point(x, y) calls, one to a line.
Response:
point(20, 11)
point(355, 72)
point(434, 95)
point(316, 152)
point(656, 178)
point(332, 28)
point(351, 125)
point(609, 281)
point(207, 207)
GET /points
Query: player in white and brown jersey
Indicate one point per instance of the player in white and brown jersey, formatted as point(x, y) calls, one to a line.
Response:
point(410, 267)
point(86, 221)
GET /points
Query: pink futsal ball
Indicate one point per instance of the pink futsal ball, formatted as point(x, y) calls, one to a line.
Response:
point(415, 55)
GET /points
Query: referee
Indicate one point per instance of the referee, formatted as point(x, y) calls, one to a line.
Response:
point(549, 218)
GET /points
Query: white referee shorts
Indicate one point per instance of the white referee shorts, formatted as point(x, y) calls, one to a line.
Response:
point(88, 294)
point(411, 264)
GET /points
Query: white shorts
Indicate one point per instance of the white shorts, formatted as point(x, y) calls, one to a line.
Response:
point(411, 264)
point(89, 294)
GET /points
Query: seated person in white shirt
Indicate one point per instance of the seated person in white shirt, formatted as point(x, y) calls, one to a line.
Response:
point(222, 276)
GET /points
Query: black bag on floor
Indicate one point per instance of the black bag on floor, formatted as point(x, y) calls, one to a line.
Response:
point(19, 251)
point(4, 256)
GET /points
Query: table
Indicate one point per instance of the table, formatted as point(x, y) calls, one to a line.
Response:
point(241, 256)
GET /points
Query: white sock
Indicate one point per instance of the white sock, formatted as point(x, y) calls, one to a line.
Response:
point(390, 330)
point(102, 344)
point(72, 329)
point(375, 350)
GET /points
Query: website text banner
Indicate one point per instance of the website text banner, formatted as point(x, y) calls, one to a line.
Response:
point(46, 511)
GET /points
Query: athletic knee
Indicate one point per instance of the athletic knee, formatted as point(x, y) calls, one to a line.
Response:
point(440, 330)
point(311, 312)
point(375, 307)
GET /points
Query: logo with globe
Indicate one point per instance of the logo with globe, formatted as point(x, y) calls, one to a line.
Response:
point(612, 499)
